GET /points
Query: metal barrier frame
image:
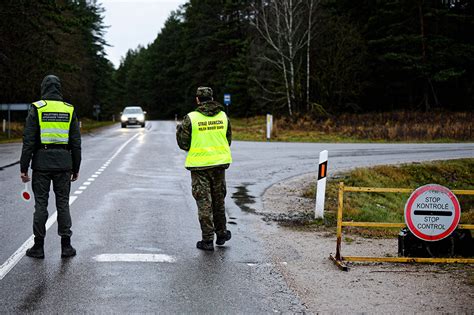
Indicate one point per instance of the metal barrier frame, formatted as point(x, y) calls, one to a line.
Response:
point(339, 259)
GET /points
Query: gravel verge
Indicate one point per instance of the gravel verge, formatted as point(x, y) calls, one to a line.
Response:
point(302, 256)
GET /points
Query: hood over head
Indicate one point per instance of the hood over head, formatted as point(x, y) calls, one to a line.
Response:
point(51, 88)
point(210, 108)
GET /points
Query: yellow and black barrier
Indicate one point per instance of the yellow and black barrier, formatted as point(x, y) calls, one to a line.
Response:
point(340, 260)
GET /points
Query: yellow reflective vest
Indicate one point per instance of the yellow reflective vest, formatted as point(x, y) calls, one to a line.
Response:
point(209, 144)
point(54, 120)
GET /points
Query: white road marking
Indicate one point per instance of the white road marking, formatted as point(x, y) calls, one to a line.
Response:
point(149, 249)
point(135, 258)
point(94, 175)
point(72, 199)
point(98, 173)
point(91, 179)
point(284, 263)
point(15, 258)
point(20, 252)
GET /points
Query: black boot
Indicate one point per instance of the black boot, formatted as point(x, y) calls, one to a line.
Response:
point(205, 245)
point(66, 249)
point(37, 250)
point(223, 238)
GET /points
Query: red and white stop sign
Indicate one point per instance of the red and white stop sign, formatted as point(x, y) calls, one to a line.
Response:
point(432, 212)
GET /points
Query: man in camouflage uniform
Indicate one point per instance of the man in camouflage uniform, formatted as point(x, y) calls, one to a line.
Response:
point(206, 134)
point(52, 141)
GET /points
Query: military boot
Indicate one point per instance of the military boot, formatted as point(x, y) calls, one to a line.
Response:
point(223, 238)
point(205, 245)
point(66, 249)
point(37, 250)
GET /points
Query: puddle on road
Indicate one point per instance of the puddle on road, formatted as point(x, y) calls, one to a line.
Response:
point(243, 199)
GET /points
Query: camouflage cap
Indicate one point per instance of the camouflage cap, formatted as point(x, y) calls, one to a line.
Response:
point(204, 91)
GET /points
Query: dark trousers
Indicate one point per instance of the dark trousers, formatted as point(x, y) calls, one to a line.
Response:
point(61, 186)
point(209, 191)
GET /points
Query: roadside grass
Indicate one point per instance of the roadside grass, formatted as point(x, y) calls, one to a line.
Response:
point(254, 129)
point(370, 127)
point(89, 125)
point(389, 207)
point(16, 133)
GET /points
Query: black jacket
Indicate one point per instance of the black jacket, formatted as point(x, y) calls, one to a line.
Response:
point(55, 159)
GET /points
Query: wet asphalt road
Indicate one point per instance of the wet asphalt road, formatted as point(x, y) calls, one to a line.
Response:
point(141, 203)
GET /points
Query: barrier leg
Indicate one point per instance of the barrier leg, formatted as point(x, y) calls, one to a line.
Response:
point(338, 258)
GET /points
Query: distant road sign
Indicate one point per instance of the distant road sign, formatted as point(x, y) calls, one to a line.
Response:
point(432, 212)
point(227, 100)
point(14, 107)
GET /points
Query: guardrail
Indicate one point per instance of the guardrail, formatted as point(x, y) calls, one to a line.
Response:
point(339, 259)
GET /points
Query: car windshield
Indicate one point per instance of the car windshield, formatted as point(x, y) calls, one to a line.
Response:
point(134, 110)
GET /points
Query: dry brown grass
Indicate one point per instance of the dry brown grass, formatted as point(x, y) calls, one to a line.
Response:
point(392, 126)
point(16, 131)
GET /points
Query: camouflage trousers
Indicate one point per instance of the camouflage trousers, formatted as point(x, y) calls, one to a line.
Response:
point(41, 184)
point(209, 190)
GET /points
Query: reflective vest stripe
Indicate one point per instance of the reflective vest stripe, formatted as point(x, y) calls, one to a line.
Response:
point(54, 130)
point(52, 140)
point(210, 150)
point(209, 144)
point(203, 159)
point(54, 120)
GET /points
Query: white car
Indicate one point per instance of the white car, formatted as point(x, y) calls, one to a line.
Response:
point(133, 115)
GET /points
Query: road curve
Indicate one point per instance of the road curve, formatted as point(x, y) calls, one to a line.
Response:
point(135, 226)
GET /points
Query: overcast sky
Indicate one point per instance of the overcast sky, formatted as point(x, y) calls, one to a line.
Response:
point(133, 23)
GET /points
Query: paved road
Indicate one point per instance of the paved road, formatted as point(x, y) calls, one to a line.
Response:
point(134, 198)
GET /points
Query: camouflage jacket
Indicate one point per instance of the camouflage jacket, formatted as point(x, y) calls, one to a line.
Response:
point(184, 130)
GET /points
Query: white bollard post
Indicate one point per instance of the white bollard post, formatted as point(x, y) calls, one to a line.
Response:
point(321, 185)
point(269, 126)
point(4, 125)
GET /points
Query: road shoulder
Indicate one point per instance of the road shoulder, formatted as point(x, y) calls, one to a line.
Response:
point(302, 256)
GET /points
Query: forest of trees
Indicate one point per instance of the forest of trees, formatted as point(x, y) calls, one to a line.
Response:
point(288, 57)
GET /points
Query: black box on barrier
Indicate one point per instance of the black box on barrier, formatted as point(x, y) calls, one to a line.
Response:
point(458, 244)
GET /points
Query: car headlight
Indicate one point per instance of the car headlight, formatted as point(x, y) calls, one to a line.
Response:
point(123, 118)
point(141, 117)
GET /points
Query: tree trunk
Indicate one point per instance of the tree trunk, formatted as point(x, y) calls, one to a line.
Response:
point(288, 97)
point(423, 54)
point(308, 50)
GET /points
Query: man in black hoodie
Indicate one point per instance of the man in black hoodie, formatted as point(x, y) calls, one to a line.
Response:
point(52, 141)
point(206, 134)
